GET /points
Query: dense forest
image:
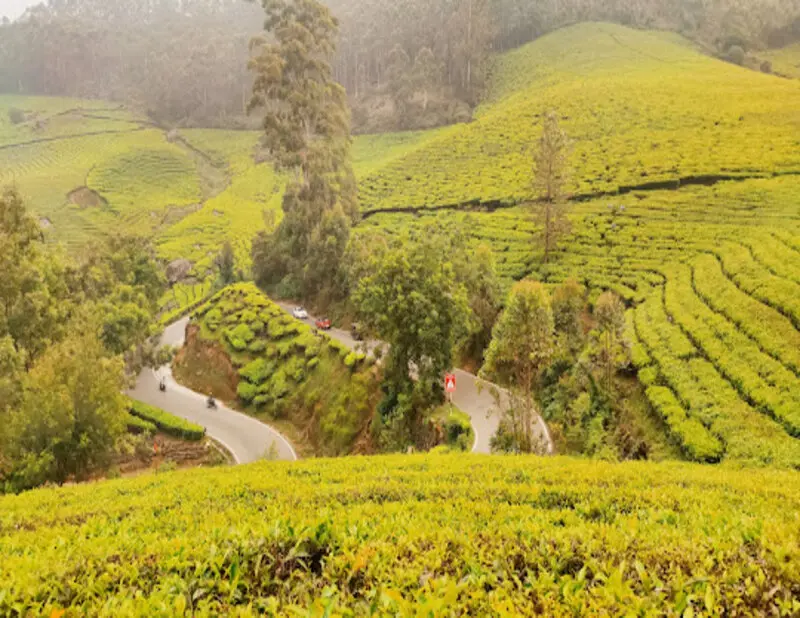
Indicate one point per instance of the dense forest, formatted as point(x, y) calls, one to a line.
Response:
point(404, 63)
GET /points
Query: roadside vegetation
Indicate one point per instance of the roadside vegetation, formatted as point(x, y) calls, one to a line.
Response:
point(281, 369)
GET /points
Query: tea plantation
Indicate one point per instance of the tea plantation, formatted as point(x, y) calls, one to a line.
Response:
point(409, 535)
point(285, 369)
point(685, 201)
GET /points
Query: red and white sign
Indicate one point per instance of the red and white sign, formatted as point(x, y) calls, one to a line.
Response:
point(450, 383)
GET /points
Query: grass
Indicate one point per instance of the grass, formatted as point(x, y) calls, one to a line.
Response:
point(280, 368)
point(409, 535)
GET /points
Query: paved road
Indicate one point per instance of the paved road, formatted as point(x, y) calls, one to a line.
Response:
point(473, 396)
point(245, 437)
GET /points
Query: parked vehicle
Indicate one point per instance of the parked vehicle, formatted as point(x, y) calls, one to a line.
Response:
point(300, 313)
point(323, 324)
point(356, 332)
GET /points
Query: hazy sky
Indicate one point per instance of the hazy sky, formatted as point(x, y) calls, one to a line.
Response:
point(14, 8)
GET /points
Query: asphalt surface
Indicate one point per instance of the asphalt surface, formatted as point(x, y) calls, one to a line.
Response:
point(245, 437)
point(473, 396)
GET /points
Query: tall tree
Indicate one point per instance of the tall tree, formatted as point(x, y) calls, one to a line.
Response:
point(412, 299)
point(549, 180)
point(306, 129)
point(522, 345)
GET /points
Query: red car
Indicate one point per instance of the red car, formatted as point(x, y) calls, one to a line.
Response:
point(323, 324)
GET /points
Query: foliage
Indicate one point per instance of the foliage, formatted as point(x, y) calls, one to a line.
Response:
point(307, 130)
point(414, 302)
point(522, 345)
point(411, 535)
point(295, 373)
point(166, 422)
point(71, 416)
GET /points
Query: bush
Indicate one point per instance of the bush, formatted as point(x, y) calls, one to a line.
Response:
point(257, 347)
point(246, 391)
point(213, 319)
point(736, 55)
point(16, 115)
point(139, 425)
point(240, 337)
point(166, 422)
point(257, 371)
point(766, 67)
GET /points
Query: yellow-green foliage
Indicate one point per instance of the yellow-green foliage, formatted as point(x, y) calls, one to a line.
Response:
point(641, 107)
point(236, 214)
point(287, 369)
point(409, 536)
point(146, 178)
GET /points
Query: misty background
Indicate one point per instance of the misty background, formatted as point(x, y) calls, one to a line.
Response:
point(406, 64)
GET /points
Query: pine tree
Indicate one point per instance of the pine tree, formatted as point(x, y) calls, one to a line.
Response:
point(549, 180)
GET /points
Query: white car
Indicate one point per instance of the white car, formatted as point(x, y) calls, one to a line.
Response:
point(300, 313)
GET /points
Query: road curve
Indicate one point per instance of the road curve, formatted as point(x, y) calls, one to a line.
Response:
point(245, 437)
point(473, 396)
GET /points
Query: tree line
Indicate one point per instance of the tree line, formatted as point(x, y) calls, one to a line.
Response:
point(404, 63)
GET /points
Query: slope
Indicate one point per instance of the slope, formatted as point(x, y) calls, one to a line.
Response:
point(241, 346)
point(409, 535)
point(641, 108)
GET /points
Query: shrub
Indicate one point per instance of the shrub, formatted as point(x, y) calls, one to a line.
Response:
point(257, 371)
point(766, 67)
point(239, 337)
point(16, 115)
point(246, 391)
point(166, 422)
point(139, 425)
point(312, 363)
point(257, 346)
point(213, 319)
point(736, 55)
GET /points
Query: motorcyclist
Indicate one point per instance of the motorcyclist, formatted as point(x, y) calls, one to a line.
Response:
point(211, 402)
point(162, 385)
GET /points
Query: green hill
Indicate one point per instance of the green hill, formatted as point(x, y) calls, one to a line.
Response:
point(686, 181)
point(641, 108)
point(243, 346)
point(400, 536)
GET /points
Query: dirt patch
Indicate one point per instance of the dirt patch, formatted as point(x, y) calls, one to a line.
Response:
point(86, 198)
point(205, 367)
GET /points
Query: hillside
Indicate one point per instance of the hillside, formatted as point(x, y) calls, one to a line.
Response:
point(420, 535)
point(243, 347)
point(686, 181)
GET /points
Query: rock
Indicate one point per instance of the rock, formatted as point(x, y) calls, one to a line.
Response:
point(178, 270)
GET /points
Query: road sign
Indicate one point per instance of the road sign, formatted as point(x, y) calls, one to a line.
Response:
point(450, 383)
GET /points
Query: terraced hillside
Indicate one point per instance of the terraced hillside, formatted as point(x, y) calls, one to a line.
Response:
point(243, 346)
point(643, 108)
point(402, 536)
point(700, 234)
point(686, 181)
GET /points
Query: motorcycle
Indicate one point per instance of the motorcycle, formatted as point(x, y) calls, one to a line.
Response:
point(162, 386)
point(211, 403)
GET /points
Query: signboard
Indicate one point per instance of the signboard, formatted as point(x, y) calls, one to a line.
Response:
point(450, 383)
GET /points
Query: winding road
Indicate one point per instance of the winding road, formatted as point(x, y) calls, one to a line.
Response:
point(246, 438)
point(473, 396)
point(249, 439)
